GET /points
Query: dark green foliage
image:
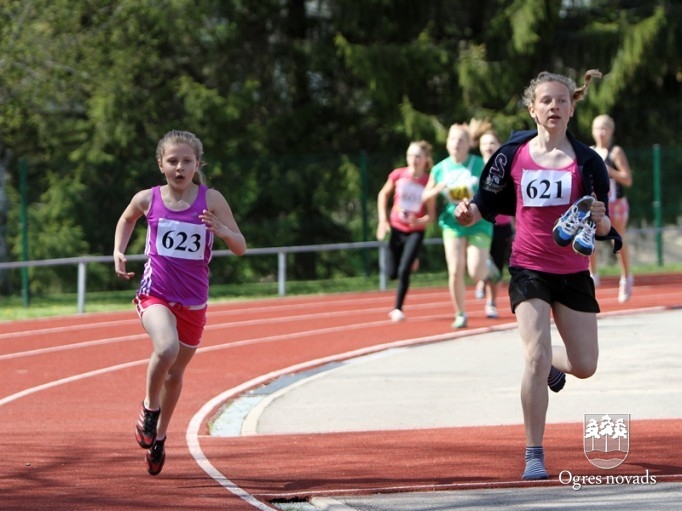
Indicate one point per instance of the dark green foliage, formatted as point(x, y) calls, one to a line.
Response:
point(303, 107)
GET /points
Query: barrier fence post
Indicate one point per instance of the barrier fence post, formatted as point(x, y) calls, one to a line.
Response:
point(364, 192)
point(82, 276)
point(281, 273)
point(23, 214)
point(382, 266)
point(658, 205)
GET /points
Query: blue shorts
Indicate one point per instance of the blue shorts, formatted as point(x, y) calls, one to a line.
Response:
point(574, 290)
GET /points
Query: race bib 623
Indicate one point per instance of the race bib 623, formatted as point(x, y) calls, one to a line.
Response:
point(180, 239)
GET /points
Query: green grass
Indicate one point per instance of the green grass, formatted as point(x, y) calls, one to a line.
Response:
point(12, 308)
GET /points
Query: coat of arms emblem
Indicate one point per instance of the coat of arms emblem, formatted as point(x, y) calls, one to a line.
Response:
point(606, 438)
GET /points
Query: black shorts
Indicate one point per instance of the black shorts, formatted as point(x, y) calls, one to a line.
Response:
point(574, 290)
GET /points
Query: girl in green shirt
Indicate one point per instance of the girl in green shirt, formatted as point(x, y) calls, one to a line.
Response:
point(466, 248)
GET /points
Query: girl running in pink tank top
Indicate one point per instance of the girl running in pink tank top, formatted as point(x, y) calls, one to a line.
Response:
point(406, 219)
point(536, 176)
point(183, 216)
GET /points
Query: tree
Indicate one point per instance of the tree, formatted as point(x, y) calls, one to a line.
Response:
point(288, 95)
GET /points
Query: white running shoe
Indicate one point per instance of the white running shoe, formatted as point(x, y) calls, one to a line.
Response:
point(625, 288)
point(583, 243)
point(567, 227)
point(491, 311)
point(479, 292)
point(460, 321)
point(493, 271)
point(396, 315)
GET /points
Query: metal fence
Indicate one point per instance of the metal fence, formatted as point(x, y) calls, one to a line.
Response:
point(280, 253)
point(648, 246)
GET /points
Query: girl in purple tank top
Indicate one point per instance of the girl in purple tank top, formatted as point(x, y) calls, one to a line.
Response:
point(183, 217)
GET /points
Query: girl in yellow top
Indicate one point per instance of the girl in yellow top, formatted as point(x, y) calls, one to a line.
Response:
point(456, 178)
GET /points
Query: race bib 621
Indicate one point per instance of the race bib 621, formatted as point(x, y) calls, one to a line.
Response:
point(546, 187)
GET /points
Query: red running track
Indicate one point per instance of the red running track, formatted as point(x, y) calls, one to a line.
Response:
point(71, 388)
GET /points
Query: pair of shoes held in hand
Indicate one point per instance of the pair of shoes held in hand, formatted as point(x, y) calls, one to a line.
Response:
point(576, 228)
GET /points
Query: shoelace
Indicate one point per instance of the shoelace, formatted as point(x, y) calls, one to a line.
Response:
point(149, 421)
point(587, 232)
point(574, 221)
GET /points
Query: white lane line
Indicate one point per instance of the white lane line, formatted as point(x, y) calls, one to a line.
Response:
point(218, 326)
point(224, 346)
point(210, 327)
point(70, 379)
point(215, 309)
point(192, 435)
point(70, 328)
point(73, 346)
